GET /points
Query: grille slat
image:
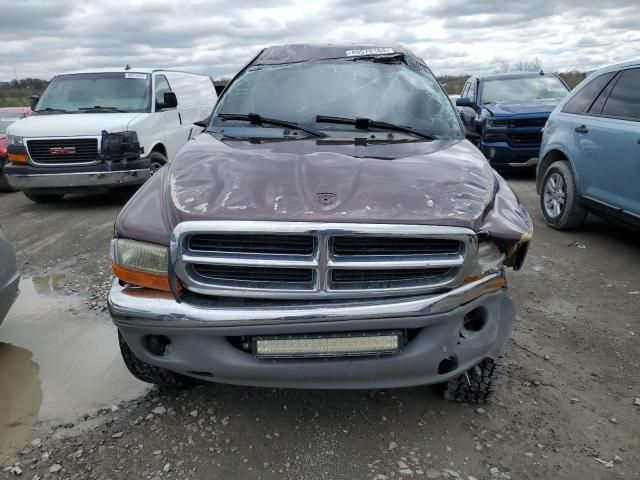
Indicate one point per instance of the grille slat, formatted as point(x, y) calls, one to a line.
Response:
point(86, 150)
point(393, 246)
point(254, 274)
point(273, 244)
point(528, 122)
point(525, 138)
point(384, 278)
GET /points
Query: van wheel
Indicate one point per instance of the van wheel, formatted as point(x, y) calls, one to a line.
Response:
point(43, 197)
point(478, 385)
point(4, 185)
point(157, 161)
point(150, 373)
point(559, 198)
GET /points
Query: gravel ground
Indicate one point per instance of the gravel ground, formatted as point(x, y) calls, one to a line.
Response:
point(568, 406)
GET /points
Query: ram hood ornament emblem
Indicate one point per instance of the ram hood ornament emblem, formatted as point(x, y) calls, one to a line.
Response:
point(326, 199)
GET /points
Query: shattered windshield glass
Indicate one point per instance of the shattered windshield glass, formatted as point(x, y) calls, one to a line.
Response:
point(385, 89)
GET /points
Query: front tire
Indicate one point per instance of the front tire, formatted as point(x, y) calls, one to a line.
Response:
point(43, 197)
point(478, 385)
point(156, 161)
point(559, 200)
point(150, 373)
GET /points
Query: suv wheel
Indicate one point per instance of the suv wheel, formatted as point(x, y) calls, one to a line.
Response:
point(43, 197)
point(150, 373)
point(478, 385)
point(559, 198)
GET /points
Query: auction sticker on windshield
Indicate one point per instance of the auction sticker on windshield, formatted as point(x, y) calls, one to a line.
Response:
point(140, 76)
point(369, 51)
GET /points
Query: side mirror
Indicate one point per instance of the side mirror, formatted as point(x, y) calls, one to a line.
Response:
point(169, 101)
point(203, 123)
point(464, 102)
point(33, 101)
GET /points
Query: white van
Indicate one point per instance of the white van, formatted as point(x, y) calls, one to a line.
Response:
point(104, 128)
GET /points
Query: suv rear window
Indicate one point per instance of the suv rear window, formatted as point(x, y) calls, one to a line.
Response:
point(585, 97)
point(624, 100)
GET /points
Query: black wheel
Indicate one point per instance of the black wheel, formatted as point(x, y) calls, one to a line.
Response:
point(4, 185)
point(559, 201)
point(157, 161)
point(478, 385)
point(150, 373)
point(43, 197)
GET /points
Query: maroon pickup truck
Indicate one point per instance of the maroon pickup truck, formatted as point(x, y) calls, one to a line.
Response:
point(8, 115)
point(331, 228)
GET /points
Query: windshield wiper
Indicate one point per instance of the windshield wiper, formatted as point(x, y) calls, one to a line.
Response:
point(256, 119)
point(49, 109)
point(366, 124)
point(98, 108)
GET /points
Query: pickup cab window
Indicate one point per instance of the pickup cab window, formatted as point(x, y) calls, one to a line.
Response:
point(97, 92)
point(523, 89)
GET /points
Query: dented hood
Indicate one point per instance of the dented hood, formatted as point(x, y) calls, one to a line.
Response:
point(426, 183)
point(443, 182)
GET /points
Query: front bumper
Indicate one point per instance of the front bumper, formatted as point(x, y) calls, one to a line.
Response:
point(503, 154)
point(76, 180)
point(199, 330)
point(63, 177)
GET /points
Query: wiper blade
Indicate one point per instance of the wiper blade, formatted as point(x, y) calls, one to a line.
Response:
point(49, 109)
point(98, 108)
point(256, 119)
point(367, 123)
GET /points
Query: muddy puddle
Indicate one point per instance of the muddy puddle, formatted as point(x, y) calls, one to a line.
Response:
point(58, 361)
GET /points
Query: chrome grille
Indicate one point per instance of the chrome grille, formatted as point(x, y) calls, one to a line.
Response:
point(85, 150)
point(311, 260)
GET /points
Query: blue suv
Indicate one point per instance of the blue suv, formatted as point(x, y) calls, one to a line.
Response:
point(506, 113)
point(590, 154)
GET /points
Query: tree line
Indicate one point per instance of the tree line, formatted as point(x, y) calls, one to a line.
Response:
point(17, 92)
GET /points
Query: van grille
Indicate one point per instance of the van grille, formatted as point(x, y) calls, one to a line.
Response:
point(62, 151)
point(311, 260)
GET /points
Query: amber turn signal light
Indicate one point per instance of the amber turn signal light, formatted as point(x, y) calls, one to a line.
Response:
point(17, 158)
point(141, 279)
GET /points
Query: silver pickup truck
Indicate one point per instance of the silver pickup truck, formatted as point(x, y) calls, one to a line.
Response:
point(331, 228)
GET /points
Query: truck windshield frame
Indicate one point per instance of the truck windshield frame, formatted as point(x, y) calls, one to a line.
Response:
point(395, 90)
point(523, 89)
point(82, 92)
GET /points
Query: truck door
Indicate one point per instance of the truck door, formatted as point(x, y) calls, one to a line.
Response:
point(170, 120)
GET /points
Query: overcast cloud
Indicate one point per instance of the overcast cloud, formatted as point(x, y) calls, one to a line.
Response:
point(216, 37)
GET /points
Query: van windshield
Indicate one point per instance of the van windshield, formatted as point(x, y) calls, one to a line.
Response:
point(395, 90)
point(523, 89)
point(84, 92)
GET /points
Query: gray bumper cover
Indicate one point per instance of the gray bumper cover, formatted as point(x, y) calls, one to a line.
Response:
point(80, 179)
point(200, 347)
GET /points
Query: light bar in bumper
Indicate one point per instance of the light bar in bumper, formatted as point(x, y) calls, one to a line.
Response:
point(142, 307)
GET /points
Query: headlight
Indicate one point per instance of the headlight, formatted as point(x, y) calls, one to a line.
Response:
point(490, 260)
point(140, 263)
point(15, 141)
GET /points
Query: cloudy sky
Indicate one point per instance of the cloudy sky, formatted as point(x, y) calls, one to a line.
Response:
point(216, 37)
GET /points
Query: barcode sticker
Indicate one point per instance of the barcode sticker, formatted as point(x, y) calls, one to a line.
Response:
point(139, 76)
point(369, 51)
